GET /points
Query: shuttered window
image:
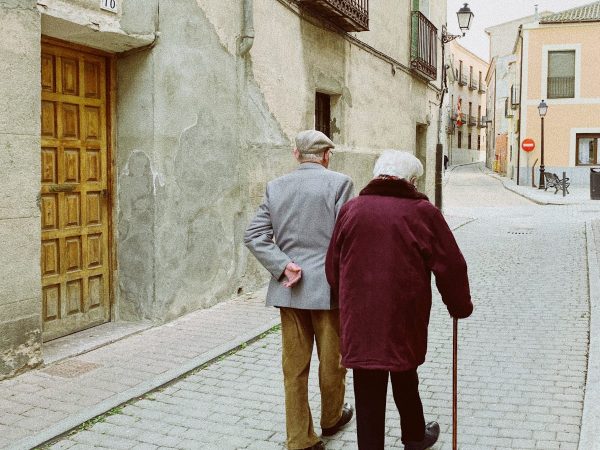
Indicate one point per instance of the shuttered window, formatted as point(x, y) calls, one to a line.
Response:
point(561, 74)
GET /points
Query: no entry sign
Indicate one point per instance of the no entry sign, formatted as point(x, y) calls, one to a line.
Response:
point(528, 145)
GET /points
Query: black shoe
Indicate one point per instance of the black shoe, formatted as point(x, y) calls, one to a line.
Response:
point(318, 446)
point(347, 413)
point(432, 433)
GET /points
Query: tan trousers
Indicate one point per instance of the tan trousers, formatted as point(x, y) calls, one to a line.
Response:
point(299, 329)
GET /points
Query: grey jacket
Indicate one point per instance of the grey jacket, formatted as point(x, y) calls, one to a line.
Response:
point(295, 223)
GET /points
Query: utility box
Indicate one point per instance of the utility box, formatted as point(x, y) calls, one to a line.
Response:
point(595, 184)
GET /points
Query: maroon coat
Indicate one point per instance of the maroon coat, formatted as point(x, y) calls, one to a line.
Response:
point(385, 245)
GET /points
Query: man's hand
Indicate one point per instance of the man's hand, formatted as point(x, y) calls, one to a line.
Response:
point(293, 273)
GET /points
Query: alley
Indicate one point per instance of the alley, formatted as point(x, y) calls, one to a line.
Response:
point(522, 353)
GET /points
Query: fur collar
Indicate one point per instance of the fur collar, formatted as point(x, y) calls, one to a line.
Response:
point(393, 188)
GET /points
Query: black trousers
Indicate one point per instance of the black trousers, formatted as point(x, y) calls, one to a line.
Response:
point(370, 392)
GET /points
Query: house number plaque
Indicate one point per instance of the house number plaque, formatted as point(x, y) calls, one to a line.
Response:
point(110, 5)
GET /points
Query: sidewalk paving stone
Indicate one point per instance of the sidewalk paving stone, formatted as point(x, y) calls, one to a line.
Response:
point(43, 403)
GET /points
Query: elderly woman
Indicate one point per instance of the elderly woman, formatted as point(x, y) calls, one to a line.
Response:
point(385, 245)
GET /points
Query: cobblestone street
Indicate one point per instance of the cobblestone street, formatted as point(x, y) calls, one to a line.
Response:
point(522, 354)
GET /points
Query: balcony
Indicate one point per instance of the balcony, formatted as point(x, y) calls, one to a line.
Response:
point(515, 96)
point(463, 79)
point(349, 15)
point(482, 123)
point(473, 84)
point(561, 87)
point(423, 48)
point(481, 89)
point(472, 121)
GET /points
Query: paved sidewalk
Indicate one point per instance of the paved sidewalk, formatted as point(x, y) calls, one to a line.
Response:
point(591, 412)
point(44, 403)
point(578, 195)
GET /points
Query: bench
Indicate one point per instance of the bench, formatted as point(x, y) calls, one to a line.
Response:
point(552, 181)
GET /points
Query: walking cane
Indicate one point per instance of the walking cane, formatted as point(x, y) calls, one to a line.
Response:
point(454, 383)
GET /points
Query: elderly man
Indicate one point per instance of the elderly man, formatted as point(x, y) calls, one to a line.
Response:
point(386, 244)
point(289, 236)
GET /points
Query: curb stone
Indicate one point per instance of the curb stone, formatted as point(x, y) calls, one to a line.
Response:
point(590, 421)
point(72, 422)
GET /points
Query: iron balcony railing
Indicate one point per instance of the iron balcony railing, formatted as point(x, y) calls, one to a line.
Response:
point(463, 79)
point(481, 89)
point(515, 96)
point(482, 122)
point(561, 87)
point(473, 84)
point(423, 49)
point(350, 15)
point(472, 121)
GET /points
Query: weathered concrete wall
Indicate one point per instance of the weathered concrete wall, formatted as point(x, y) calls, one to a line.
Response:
point(187, 113)
point(84, 22)
point(20, 285)
point(201, 130)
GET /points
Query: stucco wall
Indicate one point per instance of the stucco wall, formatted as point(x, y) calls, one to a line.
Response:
point(565, 117)
point(218, 126)
point(20, 285)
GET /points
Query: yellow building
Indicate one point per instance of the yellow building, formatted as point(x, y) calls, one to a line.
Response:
point(466, 96)
point(560, 60)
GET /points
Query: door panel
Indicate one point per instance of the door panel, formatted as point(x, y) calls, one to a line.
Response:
point(75, 261)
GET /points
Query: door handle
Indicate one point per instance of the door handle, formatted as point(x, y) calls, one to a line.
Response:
point(67, 187)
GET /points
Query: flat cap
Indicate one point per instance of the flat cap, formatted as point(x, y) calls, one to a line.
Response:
point(313, 141)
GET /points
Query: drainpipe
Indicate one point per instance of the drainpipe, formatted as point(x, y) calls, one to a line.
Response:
point(520, 107)
point(247, 39)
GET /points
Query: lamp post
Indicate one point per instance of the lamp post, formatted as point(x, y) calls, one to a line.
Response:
point(465, 16)
point(543, 109)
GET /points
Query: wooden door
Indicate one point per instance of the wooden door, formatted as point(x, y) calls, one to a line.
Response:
point(75, 257)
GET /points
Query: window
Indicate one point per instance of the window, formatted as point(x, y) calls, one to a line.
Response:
point(460, 139)
point(323, 114)
point(422, 6)
point(479, 114)
point(471, 74)
point(480, 81)
point(460, 71)
point(470, 109)
point(478, 142)
point(587, 149)
point(469, 141)
point(561, 74)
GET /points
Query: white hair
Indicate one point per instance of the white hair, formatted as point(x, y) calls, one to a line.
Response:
point(396, 163)
point(312, 157)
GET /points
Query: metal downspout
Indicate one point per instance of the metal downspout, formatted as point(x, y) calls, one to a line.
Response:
point(247, 38)
point(520, 108)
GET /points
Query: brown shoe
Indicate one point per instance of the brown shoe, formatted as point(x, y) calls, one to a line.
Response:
point(347, 413)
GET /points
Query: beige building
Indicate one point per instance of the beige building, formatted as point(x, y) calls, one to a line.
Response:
point(560, 63)
point(136, 138)
point(503, 92)
point(466, 107)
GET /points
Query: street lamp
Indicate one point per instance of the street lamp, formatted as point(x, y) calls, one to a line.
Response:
point(543, 109)
point(465, 16)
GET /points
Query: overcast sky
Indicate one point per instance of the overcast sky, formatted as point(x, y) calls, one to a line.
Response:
point(493, 12)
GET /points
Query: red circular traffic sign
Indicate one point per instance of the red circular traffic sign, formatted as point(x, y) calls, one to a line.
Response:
point(528, 145)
